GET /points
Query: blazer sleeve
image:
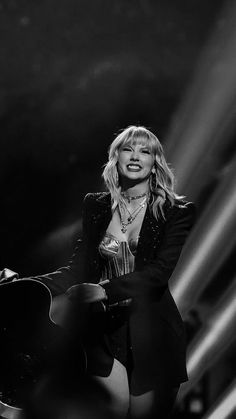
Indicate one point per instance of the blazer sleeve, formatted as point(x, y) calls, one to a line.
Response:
point(152, 280)
point(74, 273)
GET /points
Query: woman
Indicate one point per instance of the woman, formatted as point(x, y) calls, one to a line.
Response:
point(132, 240)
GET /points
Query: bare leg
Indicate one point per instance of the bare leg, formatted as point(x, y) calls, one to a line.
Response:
point(118, 388)
point(157, 403)
point(141, 405)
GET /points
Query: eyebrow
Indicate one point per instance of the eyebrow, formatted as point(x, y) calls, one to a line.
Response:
point(134, 144)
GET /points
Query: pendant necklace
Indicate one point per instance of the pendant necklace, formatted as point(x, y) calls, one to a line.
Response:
point(132, 215)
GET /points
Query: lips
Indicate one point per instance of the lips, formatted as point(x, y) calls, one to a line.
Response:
point(134, 167)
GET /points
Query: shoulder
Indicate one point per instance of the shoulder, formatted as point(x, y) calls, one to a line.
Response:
point(179, 205)
point(181, 209)
point(96, 198)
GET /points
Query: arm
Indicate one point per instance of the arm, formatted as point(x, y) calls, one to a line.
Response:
point(71, 278)
point(74, 273)
point(152, 280)
point(63, 278)
point(58, 281)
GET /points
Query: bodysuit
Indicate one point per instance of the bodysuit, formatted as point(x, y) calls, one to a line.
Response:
point(110, 337)
point(113, 337)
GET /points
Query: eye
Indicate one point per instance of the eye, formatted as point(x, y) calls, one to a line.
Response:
point(126, 148)
point(146, 151)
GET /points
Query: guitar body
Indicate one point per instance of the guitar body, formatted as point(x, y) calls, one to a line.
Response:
point(32, 345)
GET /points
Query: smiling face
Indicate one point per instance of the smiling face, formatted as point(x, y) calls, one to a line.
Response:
point(135, 161)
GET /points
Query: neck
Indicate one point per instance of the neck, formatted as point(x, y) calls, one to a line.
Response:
point(135, 189)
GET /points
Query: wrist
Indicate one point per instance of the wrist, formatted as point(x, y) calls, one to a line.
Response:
point(104, 292)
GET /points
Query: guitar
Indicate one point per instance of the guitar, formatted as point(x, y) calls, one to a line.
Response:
point(33, 343)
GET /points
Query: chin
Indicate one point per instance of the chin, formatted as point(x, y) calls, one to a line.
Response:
point(134, 176)
point(134, 179)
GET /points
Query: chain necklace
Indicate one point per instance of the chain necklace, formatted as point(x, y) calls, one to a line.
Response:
point(132, 215)
point(131, 198)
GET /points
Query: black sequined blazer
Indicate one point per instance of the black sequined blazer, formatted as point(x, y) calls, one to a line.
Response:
point(156, 328)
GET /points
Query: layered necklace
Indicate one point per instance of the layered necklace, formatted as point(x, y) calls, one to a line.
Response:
point(131, 215)
point(131, 198)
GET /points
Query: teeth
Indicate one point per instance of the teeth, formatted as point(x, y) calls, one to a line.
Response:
point(135, 166)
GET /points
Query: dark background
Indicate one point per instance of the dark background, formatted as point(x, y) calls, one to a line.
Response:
point(72, 74)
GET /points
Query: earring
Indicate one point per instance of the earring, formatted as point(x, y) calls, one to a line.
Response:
point(116, 178)
point(154, 182)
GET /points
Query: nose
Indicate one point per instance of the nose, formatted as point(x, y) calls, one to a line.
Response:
point(134, 155)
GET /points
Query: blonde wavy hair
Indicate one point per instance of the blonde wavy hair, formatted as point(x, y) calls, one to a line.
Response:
point(161, 182)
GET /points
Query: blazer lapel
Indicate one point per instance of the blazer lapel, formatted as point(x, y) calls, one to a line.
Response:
point(101, 216)
point(149, 238)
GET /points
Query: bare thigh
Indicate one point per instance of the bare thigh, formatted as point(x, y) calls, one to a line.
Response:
point(117, 387)
point(141, 405)
point(157, 403)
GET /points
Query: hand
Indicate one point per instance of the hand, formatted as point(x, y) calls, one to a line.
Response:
point(86, 293)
